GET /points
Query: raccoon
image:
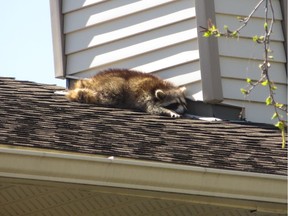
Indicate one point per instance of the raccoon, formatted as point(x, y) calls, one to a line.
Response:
point(130, 89)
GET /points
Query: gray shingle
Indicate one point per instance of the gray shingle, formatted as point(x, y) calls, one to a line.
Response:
point(32, 115)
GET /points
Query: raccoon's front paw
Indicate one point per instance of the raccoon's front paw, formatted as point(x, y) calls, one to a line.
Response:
point(174, 115)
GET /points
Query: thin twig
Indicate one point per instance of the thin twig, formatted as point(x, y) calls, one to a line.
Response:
point(246, 20)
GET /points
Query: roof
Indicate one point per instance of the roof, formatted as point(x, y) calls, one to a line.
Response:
point(32, 115)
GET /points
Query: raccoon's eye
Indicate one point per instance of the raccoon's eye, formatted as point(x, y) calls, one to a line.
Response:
point(173, 106)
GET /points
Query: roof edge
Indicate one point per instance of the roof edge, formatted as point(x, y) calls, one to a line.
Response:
point(143, 175)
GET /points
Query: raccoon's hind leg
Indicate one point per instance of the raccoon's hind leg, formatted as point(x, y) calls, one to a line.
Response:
point(82, 95)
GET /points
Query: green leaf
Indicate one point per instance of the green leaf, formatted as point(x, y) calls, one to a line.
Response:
point(268, 64)
point(207, 34)
point(244, 91)
point(279, 105)
point(265, 25)
point(255, 38)
point(241, 19)
point(280, 125)
point(261, 66)
point(248, 80)
point(225, 27)
point(218, 35)
point(265, 83)
point(268, 100)
point(261, 38)
point(234, 34)
point(273, 87)
point(275, 115)
point(258, 39)
point(213, 28)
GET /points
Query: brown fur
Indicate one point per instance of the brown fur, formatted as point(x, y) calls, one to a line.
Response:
point(130, 89)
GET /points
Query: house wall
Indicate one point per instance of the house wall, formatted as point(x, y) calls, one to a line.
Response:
point(161, 37)
point(239, 58)
point(158, 37)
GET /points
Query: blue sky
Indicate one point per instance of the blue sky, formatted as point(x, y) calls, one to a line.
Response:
point(26, 50)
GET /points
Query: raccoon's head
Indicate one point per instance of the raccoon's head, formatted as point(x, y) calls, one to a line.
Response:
point(172, 99)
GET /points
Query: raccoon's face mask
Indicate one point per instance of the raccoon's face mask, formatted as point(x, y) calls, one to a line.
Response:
point(172, 99)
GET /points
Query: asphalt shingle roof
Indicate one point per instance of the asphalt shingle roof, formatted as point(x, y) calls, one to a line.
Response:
point(32, 115)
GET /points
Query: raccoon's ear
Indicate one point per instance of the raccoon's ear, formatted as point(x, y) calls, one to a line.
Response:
point(160, 94)
point(182, 89)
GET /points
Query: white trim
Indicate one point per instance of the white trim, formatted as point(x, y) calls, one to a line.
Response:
point(143, 175)
point(58, 38)
point(209, 55)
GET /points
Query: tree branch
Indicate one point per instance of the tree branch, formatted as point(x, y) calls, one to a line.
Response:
point(264, 79)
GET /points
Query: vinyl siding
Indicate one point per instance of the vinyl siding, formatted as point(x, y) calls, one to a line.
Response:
point(161, 37)
point(158, 37)
point(239, 58)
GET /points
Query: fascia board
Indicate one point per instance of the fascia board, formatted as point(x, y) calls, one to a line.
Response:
point(142, 175)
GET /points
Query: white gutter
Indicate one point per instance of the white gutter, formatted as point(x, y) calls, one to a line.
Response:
point(144, 175)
